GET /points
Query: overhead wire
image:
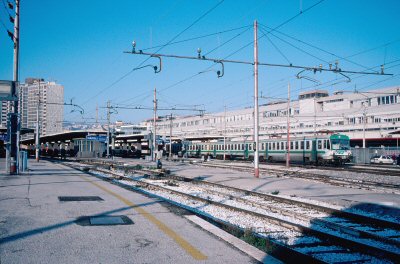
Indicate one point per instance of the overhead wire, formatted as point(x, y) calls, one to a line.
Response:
point(196, 38)
point(141, 64)
point(316, 47)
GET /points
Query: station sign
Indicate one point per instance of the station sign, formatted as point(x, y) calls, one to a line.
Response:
point(7, 91)
point(100, 138)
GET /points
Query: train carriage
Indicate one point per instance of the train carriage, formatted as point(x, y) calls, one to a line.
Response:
point(322, 149)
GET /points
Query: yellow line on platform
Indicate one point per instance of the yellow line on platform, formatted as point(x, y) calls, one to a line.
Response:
point(195, 253)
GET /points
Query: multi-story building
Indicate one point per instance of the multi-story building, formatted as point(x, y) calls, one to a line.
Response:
point(368, 114)
point(49, 96)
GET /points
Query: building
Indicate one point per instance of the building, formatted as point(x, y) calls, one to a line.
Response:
point(49, 97)
point(368, 114)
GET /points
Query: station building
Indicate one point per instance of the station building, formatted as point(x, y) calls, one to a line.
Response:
point(373, 115)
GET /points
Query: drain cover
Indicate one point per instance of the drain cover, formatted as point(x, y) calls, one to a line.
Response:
point(104, 220)
point(79, 198)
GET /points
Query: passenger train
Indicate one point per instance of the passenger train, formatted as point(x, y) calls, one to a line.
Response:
point(321, 149)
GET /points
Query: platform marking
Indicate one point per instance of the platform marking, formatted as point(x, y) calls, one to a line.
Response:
point(195, 253)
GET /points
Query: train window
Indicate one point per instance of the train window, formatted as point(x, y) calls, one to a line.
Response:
point(325, 144)
point(328, 144)
point(282, 145)
point(262, 146)
point(250, 147)
point(301, 144)
point(307, 144)
point(291, 145)
point(274, 146)
point(296, 145)
point(278, 146)
point(319, 144)
point(242, 146)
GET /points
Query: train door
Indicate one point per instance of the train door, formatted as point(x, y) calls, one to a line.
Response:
point(314, 151)
point(215, 150)
point(246, 151)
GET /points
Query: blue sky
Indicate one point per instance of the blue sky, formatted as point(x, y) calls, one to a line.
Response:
point(80, 44)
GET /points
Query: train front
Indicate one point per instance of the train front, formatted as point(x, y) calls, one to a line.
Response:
point(340, 145)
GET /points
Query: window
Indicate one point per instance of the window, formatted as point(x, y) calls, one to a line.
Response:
point(307, 144)
point(319, 142)
point(301, 144)
point(296, 145)
point(291, 145)
point(278, 146)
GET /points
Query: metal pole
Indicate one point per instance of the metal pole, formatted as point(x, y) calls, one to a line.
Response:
point(364, 117)
point(155, 126)
point(15, 144)
point(256, 169)
point(170, 137)
point(37, 125)
point(288, 129)
point(224, 132)
point(108, 128)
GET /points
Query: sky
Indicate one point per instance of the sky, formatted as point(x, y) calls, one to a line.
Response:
point(80, 45)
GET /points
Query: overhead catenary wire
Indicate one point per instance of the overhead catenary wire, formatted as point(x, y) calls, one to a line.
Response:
point(199, 37)
point(240, 49)
point(315, 47)
point(235, 52)
point(159, 49)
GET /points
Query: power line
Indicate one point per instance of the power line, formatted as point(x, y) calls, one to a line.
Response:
point(199, 37)
point(169, 42)
point(315, 47)
point(238, 50)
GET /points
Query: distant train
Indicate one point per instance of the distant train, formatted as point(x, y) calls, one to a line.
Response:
point(321, 149)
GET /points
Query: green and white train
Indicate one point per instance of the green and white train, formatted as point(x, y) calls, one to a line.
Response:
point(333, 148)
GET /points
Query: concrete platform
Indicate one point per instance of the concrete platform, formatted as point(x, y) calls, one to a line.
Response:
point(35, 227)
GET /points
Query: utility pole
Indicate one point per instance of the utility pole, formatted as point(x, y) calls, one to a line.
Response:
point(108, 128)
point(256, 156)
point(224, 132)
point(170, 137)
point(37, 125)
point(153, 155)
point(13, 153)
point(364, 123)
point(288, 129)
point(97, 114)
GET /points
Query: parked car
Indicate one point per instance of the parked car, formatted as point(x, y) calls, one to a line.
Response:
point(382, 160)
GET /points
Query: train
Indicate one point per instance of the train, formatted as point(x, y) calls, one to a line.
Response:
point(321, 149)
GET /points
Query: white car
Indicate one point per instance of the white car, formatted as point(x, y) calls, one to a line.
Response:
point(382, 160)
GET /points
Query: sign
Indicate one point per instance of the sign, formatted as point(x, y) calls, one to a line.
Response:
point(100, 138)
point(7, 91)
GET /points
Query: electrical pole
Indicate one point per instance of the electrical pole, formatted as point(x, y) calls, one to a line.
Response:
point(108, 128)
point(224, 132)
point(37, 125)
point(154, 126)
point(13, 153)
point(364, 123)
point(170, 137)
point(256, 169)
point(288, 129)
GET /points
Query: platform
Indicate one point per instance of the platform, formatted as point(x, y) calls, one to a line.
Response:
point(55, 214)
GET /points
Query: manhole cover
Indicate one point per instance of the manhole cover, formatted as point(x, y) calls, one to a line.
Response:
point(79, 198)
point(104, 220)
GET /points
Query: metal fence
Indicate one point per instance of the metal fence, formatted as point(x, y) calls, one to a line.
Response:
point(363, 156)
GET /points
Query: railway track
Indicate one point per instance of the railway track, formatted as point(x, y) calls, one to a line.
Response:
point(333, 180)
point(310, 232)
